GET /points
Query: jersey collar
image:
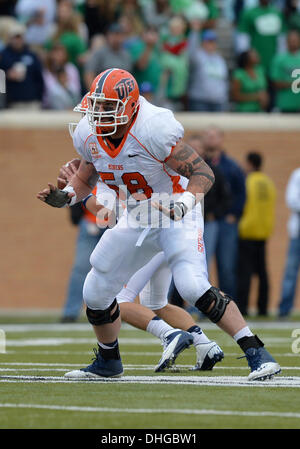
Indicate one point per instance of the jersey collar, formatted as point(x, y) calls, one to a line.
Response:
point(107, 145)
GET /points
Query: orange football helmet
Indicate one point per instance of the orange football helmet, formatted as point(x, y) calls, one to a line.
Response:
point(112, 101)
point(83, 105)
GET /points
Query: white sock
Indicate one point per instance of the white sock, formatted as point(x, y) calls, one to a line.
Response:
point(198, 335)
point(245, 332)
point(158, 327)
point(112, 345)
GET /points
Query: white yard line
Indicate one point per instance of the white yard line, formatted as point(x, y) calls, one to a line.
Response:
point(142, 368)
point(85, 327)
point(221, 381)
point(76, 341)
point(40, 364)
point(72, 408)
point(59, 341)
point(135, 353)
point(50, 366)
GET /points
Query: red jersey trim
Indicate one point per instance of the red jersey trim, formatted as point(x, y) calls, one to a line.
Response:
point(114, 152)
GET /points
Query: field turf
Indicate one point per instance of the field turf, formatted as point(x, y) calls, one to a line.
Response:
point(34, 394)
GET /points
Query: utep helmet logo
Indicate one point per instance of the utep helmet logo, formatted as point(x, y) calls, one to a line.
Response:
point(124, 87)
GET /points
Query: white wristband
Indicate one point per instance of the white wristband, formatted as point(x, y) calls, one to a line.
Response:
point(188, 199)
point(70, 189)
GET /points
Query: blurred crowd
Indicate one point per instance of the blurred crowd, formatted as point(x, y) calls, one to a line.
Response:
point(195, 55)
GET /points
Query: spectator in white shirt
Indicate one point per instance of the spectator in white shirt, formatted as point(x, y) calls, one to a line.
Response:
point(289, 283)
point(208, 84)
point(39, 18)
point(62, 80)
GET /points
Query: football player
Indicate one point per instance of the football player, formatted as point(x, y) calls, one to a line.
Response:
point(154, 314)
point(128, 142)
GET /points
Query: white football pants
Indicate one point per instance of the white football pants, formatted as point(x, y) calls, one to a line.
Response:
point(117, 258)
point(151, 283)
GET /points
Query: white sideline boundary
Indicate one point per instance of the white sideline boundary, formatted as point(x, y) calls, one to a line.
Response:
point(72, 408)
point(214, 381)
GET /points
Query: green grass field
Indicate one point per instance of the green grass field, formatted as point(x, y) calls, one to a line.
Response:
point(33, 393)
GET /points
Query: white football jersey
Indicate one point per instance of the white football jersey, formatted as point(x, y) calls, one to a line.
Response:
point(139, 162)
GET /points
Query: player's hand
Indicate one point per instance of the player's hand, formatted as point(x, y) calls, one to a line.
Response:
point(175, 213)
point(66, 172)
point(54, 196)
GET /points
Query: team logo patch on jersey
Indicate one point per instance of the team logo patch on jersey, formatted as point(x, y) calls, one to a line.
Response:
point(124, 87)
point(94, 150)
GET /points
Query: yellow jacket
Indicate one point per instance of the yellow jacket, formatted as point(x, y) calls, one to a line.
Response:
point(257, 220)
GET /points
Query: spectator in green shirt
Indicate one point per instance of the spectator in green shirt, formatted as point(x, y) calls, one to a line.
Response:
point(187, 7)
point(282, 75)
point(260, 28)
point(174, 59)
point(69, 32)
point(249, 84)
point(146, 58)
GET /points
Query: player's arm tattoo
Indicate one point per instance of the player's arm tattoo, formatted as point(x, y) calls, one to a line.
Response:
point(186, 162)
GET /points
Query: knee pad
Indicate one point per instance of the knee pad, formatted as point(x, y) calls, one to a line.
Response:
point(99, 317)
point(219, 300)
